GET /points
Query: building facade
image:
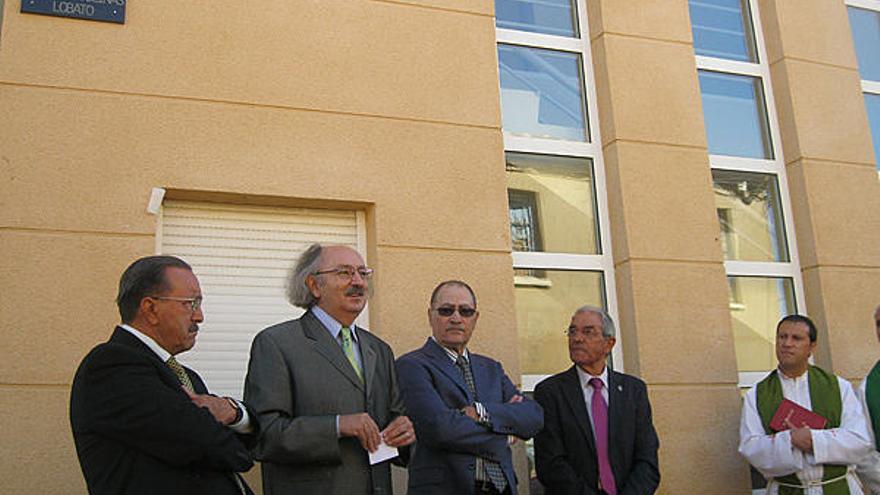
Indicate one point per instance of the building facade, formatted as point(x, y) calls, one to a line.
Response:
point(699, 168)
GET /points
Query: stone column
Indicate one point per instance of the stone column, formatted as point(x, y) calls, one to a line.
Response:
point(671, 283)
point(834, 186)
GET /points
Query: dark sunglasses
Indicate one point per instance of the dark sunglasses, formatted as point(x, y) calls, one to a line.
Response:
point(464, 311)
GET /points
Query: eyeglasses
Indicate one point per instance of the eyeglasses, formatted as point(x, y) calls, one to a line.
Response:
point(194, 302)
point(464, 311)
point(588, 332)
point(346, 273)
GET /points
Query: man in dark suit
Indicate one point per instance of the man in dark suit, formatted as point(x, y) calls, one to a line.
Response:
point(325, 391)
point(598, 435)
point(142, 423)
point(463, 405)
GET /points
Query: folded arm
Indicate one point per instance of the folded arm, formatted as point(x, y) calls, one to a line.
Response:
point(129, 402)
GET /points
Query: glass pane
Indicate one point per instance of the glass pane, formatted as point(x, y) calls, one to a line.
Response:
point(542, 93)
point(749, 211)
point(555, 17)
point(552, 204)
point(866, 36)
point(735, 116)
point(756, 306)
point(873, 104)
point(545, 301)
point(723, 29)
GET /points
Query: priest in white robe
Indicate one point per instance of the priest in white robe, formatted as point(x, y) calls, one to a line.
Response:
point(799, 459)
point(869, 394)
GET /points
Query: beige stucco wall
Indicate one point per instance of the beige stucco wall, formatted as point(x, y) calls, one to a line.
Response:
point(392, 107)
point(831, 172)
point(389, 107)
point(671, 286)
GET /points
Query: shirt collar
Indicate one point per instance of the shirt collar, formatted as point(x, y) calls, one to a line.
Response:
point(784, 377)
point(148, 341)
point(585, 377)
point(452, 354)
point(330, 323)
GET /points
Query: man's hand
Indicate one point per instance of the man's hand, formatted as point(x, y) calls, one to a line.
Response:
point(802, 439)
point(363, 427)
point(471, 412)
point(399, 432)
point(219, 407)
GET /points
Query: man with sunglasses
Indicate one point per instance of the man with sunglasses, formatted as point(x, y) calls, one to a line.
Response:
point(463, 405)
point(323, 388)
point(143, 423)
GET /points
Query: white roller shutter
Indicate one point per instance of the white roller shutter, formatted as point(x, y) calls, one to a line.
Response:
point(242, 255)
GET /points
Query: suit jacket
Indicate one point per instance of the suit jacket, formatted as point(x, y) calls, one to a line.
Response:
point(448, 441)
point(298, 381)
point(565, 451)
point(136, 431)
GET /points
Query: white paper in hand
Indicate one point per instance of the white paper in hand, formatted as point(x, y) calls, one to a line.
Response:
point(383, 453)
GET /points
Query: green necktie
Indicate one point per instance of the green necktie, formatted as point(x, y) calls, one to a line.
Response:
point(348, 349)
point(181, 373)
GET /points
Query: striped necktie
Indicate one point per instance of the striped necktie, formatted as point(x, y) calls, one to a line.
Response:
point(348, 349)
point(491, 469)
point(178, 370)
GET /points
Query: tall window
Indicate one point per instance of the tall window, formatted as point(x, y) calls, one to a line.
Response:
point(748, 173)
point(555, 179)
point(864, 19)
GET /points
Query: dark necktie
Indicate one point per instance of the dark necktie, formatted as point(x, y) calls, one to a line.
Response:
point(178, 370)
point(600, 425)
point(492, 469)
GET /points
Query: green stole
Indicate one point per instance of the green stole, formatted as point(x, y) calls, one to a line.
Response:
point(825, 400)
point(872, 397)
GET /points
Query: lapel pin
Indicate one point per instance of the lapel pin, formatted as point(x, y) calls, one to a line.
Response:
point(620, 388)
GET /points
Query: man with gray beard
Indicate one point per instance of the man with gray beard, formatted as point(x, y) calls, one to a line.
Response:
point(325, 389)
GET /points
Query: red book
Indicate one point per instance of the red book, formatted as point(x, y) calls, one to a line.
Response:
point(792, 414)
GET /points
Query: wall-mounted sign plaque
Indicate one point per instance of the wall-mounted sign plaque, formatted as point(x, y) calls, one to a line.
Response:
point(93, 10)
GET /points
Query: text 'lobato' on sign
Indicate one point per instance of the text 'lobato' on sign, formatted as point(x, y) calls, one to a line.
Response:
point(93, 10)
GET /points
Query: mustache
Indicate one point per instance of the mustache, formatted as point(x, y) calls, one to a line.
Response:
point(356, 291)
point(193, 328)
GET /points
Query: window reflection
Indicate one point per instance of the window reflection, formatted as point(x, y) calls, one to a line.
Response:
point(542, 93)
point(750, 216)
point(556, 17)
point(543, 312)
point(723, 29)
point(756, 306)
point(735, 115)
point(552, 203)
point(865, 26)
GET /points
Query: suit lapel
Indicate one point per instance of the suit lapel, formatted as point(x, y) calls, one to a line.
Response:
point(442, 362)
point(616, 400)
point(124, 337)
point(368, 359)
point(574, 395)
point(327, 348)
point(481, 376)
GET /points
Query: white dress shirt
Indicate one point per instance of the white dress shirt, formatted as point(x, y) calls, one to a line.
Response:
point(242, 426)
point(775, 456)
point(587, 390)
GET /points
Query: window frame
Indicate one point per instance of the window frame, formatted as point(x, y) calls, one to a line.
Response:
point(590, 149)
point(868, 86)
point(775, 166)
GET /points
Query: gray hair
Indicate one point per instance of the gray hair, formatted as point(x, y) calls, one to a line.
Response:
point(608, 330)
point(298, 292)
